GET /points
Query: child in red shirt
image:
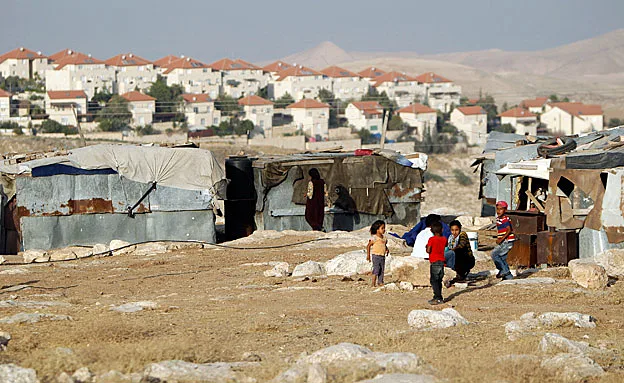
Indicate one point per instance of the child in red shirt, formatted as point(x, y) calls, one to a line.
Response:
point(435, 249)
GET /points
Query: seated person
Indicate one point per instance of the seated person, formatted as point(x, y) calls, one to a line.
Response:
point(410, 236)
point(459, 256)
point(420, 243)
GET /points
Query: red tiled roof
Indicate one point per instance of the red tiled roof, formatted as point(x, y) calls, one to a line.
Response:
point(66, 94)
point(307, 103)
point(164, 62)
point(471, 110)
point(372, 72)
point(185, 63)
point(473, 100)
point(277, 66)
point(517, 113)
point(76, 58)
point(127, 59)
point(536, 103)
point(60, 54)
point(368, 107)
point(298, 71)
point(416, 109)
point(137, 96)
point(193, 98)
point(337, 72)
point(4, 93)
point(579, 109)
point(228, 64)
point(21, 53)
point(254, 100)
point(393, 77)
point(431, 78)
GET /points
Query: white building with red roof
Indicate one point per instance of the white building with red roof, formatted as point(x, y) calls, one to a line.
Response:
point(66, 106)
point(472, 121)
point(311, 117)
point(274, 68)
point(440, 92)
point(78, 71)
point(371, 74)
point(259, 111)
point(300, 82)
point(400, 87)
point(346, 85)
point(365, 115)
point(194, 76)
point(240, 78)
point(142, 107)
point(163, 63)
point(23, 63)
point(535, 105)
point(420, 117)
point(567, 118)
point(521, 119)
point(132, 72)
point(5, 105)
point(199, 110)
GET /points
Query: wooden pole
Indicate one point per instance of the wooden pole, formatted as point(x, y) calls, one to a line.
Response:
point(82, 139)
point(384, 127)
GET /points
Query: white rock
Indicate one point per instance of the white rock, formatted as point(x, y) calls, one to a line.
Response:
point(406, 286)
point(279, 270)
point(613, 262)
point(124, 247)
point(520, 328)
point(32, 304)
point(150, 248)
point(63, 254)
point(14, 271)
point(555, 343)
point(5, 337)
point(555, 319)
point(572, 367)
point(32, 318)
point(11, 373)
point(411, 269)
point(528, 281)
point(483, 221)
point(179, 370)
point(349, 264)
point(336, 353)
point(466, 220)
point(401, 378)
point(432, 319)
point(2, 260)
point(64, 378)
point(133, 307)
point(387, 287)
point(83, 375)
point(588, 274)
point(316, 374)
point(35, 255)
point(101, 250)
point(309, 268)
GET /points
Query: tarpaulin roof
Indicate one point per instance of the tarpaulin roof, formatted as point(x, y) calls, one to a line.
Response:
point(531, 168)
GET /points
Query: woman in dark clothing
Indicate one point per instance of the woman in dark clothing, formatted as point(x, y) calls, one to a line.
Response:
point(315, 200)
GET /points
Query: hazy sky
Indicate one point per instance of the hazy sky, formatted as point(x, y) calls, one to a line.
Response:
point(264, 30)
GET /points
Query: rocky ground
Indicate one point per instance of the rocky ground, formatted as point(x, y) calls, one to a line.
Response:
point(177, 313)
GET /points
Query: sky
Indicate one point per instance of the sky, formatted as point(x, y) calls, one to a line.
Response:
point(264, 30)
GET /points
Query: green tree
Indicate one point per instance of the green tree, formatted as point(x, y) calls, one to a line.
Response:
point(553, 97)
point(489, 105)
point(366, 137)
point(101, 97)
point(505, 128)
point(227, 105)
point(115, 116)
point(613, 122)
point(396, 123)
point(167, 97)
point(382, 98)
point(51, 126)
point(243, 127)
point(505, 107)
point(328, 97)
point(284, 101)
point(264, 92)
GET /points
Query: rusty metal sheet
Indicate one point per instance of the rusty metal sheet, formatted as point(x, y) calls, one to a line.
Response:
point(557, 247)
point(524, 251)
point(398, 194)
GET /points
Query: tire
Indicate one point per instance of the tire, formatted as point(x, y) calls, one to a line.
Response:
point(552, 148)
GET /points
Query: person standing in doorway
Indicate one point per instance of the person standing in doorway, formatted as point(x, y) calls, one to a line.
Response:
point(315, 200)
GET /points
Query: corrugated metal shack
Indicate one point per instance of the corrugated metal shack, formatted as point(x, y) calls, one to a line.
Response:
point(384, 185)
point(578, 193)
point(98, 193)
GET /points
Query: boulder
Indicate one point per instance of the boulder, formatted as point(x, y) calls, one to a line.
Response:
point(349, 264)
point(11, 373)
point(466, 220)
point(63, 254)
point(529, 322)
point(83, 375)
point(5, 337)
point(150, 248)
point(118, 377)
point(179, 370)
point(401, 378)
point(64, 377)
point(32, 318)
point(411, 269)
point(483, 221)
point(279, 270)
point(555, 343)
point(406, 286)
point(316, 374)
point(35, 255)
point(101, 250)
point(520, 328)
point(612, 261)
point(133, 307)
point(432, 319)
point(309, 268)
point(572, 367)
point(588, 274)
point(123, 246)
point(387, 287)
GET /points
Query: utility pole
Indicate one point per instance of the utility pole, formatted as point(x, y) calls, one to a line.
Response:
point(82, 139)
point(384, 126)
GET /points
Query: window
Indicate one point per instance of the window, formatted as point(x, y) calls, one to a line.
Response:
point(215, 121)
point(195, 109)
point(253, 111)
point(202, 122)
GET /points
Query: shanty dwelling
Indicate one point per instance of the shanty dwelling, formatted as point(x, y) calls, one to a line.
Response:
point(365, 115)
point(99, 193)
point(311, 117)
point(384, 185)
point(520, 119)
point(259, 111)
point(141, 106)
point(199, 110)
point(471, 120)
point(568, 118)
point(66, 106)
point(419, 117)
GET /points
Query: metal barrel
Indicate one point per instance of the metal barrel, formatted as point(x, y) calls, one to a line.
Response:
point(240, 203)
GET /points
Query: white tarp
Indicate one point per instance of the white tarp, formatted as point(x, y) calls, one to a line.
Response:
point(532, 168)
point(184, 168)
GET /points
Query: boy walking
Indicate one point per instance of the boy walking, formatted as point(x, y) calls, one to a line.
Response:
point(505, 241)
point(435, 249)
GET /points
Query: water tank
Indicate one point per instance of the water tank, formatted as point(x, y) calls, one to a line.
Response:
point(240, 202)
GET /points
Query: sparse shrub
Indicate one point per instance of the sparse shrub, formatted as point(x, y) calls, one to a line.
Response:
point(433, 177)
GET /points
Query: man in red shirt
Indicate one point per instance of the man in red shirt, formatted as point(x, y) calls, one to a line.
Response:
point(435, 249)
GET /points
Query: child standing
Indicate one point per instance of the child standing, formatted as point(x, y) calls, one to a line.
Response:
point(378, 246)
point(435, 249)
point(504, 241)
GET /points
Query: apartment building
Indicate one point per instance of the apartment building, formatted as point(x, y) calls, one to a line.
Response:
point(471, 120)
point(401, 88)
point(78, 71)
point(5, 105)
point(240, 78)
point(163, 63)
point(521, 119)
point(365, 115)
point(567, 118)
point(66, 106)
point(23, 63)
point(371, 74)
point(141, 106)
point(259, 111)
point(311, 117)
point(300, 82)
point(346, 85)
point(274, 68)
point(439, 92)
point(199, 110)
point(132, 72)
point(194, 76)
point(419, 117)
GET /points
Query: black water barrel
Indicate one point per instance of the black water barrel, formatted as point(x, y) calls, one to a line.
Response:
point(240, 203)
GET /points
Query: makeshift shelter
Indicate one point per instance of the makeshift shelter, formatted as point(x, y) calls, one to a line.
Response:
point(98, 193)
point(382, 185)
